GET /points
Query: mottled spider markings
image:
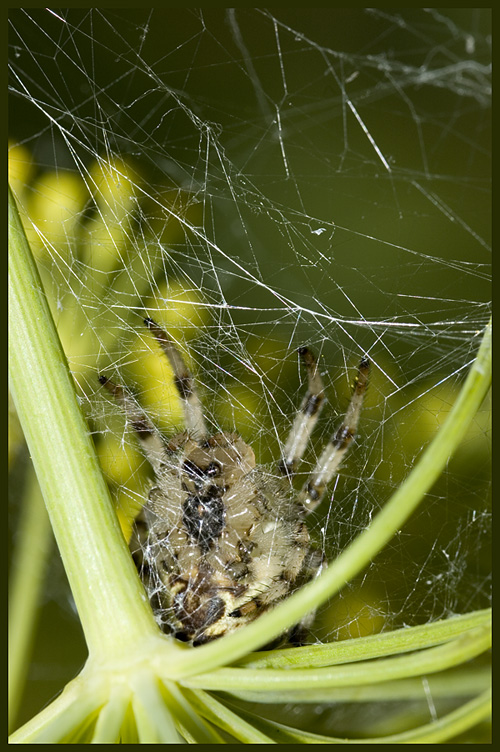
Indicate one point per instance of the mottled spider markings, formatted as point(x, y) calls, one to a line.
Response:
point(221, 540)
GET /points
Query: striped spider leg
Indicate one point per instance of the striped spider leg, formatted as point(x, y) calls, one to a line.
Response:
point(193, 411)
point(303, 425)
point(152, 443)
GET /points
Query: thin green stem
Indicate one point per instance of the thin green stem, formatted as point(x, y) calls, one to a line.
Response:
point(68, 723)
point(49, 715)
point(154, 719)
point(192, 725)
point(430, 660)
point(231, 722)
point(107, 591)
point(463, 718)
point(457, 682)
point(28, 575)
point(372, 646)
point(109, 723)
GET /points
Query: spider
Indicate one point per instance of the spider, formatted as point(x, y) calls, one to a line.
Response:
point(220, 540)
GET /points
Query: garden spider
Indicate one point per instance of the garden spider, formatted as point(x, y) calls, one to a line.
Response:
point(221, 540)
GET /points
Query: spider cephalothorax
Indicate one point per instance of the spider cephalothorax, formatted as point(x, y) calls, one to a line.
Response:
point(221, 540)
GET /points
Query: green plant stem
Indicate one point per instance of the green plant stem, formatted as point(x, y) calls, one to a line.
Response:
point(109, 596)
point(231, 722)
point(108, 725)
point(457, 682)
point(154, 718)
point(28, 575)
point(452, 724)
point(373, 646)
point(430, 660)
point(193, 726)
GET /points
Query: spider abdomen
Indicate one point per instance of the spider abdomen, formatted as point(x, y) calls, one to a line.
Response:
point(231, 546)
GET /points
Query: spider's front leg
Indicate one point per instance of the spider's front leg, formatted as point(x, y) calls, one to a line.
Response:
point(306, 417)
point(193, 411)
point(150, 438)
point(335, 451)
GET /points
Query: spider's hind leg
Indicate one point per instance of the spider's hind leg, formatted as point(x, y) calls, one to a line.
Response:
point(334, 452)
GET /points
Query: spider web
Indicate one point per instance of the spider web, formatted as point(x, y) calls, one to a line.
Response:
point(258, 181)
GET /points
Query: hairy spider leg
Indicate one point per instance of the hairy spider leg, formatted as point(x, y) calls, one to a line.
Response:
point(306, 417)
point(151, 441)
point(193, 411)
point(333, 454)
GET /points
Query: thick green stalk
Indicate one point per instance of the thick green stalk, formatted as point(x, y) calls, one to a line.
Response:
point(107, 591)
